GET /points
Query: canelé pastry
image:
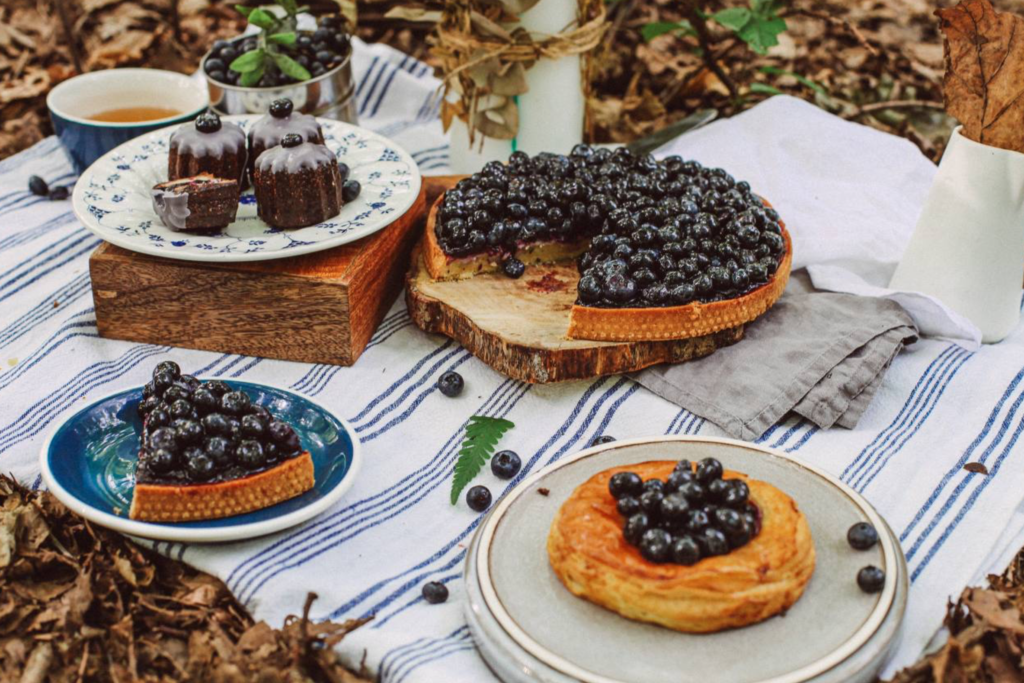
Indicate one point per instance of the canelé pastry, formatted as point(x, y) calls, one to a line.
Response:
point(206, 452)
point(208, 145)
point(665, 249)
point(201, 202)
point(297, 184)
point(269, 130)
point(686, 553)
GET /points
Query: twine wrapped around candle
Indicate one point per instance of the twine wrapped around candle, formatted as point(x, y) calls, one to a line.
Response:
point(485, 63)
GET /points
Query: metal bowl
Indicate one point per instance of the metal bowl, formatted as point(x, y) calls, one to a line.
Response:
point(330, 95)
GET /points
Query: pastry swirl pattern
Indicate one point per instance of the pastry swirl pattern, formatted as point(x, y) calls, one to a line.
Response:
point(767, 576)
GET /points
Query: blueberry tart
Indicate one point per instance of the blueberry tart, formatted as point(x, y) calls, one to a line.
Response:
point(206, 451)
point(692, 548)
point(665, 249)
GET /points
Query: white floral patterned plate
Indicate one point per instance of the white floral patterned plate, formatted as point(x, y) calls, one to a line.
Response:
point(112, 199)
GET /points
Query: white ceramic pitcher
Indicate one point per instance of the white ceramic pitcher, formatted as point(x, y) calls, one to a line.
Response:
point(968, 247)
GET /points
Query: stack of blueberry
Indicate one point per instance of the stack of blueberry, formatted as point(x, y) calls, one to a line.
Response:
point(319, 51)
point(206, 431)
point(687, 517)
point(665, 233)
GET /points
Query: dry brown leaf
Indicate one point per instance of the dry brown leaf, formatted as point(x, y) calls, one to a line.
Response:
point(976, 467)
point(984, 81)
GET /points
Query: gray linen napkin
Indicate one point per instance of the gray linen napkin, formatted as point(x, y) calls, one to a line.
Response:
point(821, 355)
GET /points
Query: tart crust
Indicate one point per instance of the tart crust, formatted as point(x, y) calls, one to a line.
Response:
point(618, 324)
point(190, 502)
point(754, 582)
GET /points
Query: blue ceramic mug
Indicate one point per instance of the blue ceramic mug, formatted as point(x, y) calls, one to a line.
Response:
point(74, 101)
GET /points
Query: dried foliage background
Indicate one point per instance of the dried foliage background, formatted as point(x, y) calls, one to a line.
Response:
point(80, 603)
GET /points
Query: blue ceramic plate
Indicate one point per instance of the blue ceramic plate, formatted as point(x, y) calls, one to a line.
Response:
point(88, 462)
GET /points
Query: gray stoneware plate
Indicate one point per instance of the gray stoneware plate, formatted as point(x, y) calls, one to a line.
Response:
point(530, 628)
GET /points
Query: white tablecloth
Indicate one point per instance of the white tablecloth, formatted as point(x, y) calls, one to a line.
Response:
point(940, 407)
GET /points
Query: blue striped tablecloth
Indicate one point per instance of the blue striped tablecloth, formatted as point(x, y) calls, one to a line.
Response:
point(940, 407)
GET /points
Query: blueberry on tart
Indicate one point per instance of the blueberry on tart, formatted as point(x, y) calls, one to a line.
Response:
point(207, 451)
point(665, 249)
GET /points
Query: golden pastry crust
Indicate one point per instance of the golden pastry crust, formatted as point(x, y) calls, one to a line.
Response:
point(589, 555)
point(191, 502)
point(619, 324)
point(680, 322)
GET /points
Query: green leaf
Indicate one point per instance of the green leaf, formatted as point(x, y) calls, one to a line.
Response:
point(290, 6)
point(251, 78)
point(290, 67)
point(283, 38)
point(765, 88)
point(244, 11)
point(761, 34)
point(482, 436)
point(262, 18)
point(733, 18)
point(813, 85)
point(660, 28)
point(248, 61)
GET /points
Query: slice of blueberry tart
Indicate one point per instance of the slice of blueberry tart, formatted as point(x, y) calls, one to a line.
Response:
point(207, 451)
point(665, 249)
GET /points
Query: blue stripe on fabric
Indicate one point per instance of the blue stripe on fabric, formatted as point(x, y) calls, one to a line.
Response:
point(384, 68)
point(30, 234)
point(27, 265)
point(414, 491)
point(671, 425)
point(384, 90)
point(86, 249)
point(401, 653)
point(430, 150)
point(43, 412)
point(914, 425)
point(401, 380)
point(965, 480)
point(864, 457)
point(958, 467)
point(465, 643)
point(771, 430)
point(366, 76)
point(16, 163)
point(526, 470)
point(985, 481)
point(415, 404)
point(317, 527)
point(45, 310)
point(803, 440)
point(21, 195)
point(800, 424)
point(54, 342)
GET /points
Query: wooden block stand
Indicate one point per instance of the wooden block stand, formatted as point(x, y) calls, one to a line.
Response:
point(316, 308)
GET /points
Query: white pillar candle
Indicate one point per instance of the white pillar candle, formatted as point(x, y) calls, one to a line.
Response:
point(551, 112)
point(465, 159)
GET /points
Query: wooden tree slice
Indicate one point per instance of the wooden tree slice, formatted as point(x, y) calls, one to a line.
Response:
point(519, 327)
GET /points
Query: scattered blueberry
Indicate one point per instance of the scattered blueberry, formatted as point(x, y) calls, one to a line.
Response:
point(59, 193)
point(350, 190)
point(435, 592)
point(38, 186)
point(513, 268)
point(862, 536)
point(478, 498)
point(505, 464)
point(450, 384)
point(603, 439)
point(871, 579)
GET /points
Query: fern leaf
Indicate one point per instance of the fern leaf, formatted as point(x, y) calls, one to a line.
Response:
point(482, 436)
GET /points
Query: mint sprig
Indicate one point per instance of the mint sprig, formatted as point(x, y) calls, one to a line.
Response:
point(482, 436)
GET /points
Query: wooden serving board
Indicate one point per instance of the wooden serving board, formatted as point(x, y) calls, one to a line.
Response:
point(518, 327)
point(316, 308)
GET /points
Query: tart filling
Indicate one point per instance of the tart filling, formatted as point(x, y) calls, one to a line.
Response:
point(207, 451)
